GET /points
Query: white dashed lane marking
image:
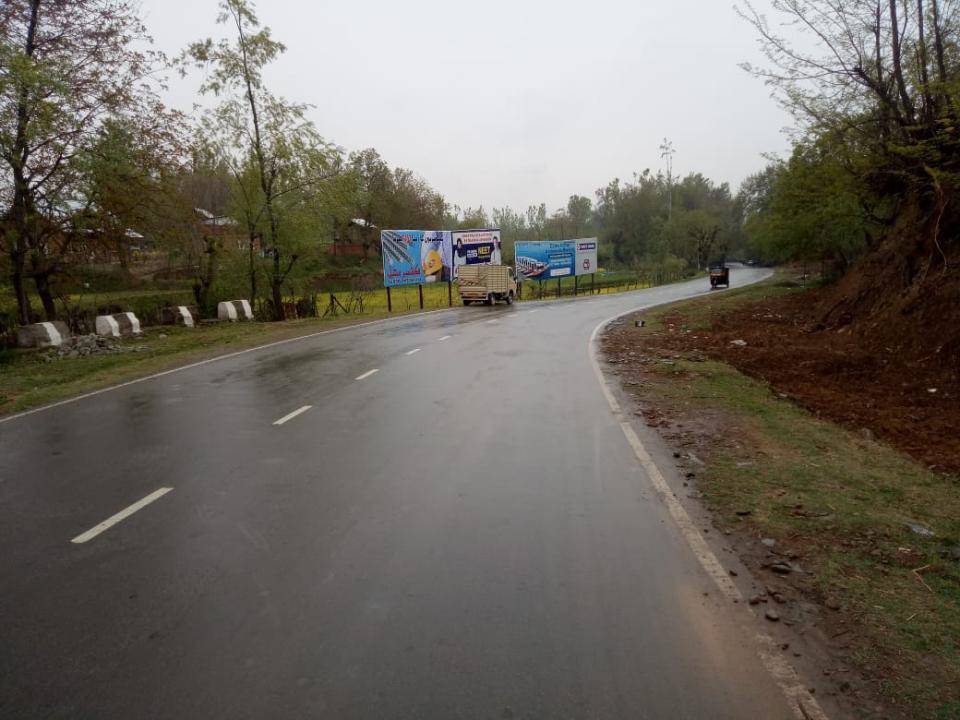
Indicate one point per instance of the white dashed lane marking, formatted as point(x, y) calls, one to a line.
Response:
point(123, 514)
point(411, 352)
point(367, 374)
point(291, 416)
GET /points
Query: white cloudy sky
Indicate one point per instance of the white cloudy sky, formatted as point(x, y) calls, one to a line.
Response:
point(514, 102)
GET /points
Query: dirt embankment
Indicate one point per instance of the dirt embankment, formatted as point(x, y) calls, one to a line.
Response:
point(882, 383)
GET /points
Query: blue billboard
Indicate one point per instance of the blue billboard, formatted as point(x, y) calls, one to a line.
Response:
point(545, 259)
point(415, 257)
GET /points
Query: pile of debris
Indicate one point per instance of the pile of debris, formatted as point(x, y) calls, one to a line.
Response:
point(84, 345)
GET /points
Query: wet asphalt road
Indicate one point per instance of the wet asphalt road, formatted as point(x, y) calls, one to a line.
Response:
point(463, 534)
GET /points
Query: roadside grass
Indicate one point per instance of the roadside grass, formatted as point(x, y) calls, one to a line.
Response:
point(844, 503)
point(27, 381)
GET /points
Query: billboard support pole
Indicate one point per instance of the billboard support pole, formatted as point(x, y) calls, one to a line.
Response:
point(541, 289)
point(593, 280)
point(558, 287)
point(449, 293)
point(575, 278)
point(420, 291)
point(389, 304)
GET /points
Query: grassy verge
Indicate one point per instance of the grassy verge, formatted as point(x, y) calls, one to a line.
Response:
point(838, 501)
point(27, 381)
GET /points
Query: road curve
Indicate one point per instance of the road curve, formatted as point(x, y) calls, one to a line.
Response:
point(433, 517)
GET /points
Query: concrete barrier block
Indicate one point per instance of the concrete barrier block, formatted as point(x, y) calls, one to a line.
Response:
point(234, 310)
point(44, 334)
point(180, 315)
point(107, 326)
point(119, 325)
point(129, 324)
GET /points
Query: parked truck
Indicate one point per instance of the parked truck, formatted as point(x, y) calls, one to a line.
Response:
point(487, 283)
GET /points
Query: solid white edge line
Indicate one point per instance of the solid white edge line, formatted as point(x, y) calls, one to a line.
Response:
point(445, 337)
point(801, 701)
point(367, 374)
point(218, 358)
point(123, 514)
point(291, 416)
point(411, 352)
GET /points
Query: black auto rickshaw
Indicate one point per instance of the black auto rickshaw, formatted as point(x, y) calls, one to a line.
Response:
point(719, 274)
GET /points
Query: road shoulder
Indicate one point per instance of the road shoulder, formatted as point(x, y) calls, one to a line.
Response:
point(816, 514)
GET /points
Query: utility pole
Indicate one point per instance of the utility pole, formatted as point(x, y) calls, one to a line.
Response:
point(666, 152)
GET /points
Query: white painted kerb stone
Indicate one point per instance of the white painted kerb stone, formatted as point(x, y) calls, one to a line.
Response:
point(185, 315)
point(108, 326)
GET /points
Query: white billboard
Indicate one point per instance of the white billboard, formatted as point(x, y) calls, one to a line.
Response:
point(585, 262)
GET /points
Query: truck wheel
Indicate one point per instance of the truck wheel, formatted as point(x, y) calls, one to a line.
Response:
point(510, 298)
point(491, 299)
point(466, 302)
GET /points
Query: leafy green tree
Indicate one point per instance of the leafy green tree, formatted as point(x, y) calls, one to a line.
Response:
point(579, 209)
point(65, 67)
point(276, 154)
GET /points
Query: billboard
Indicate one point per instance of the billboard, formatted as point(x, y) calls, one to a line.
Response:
point(475, 247)
point(544, 259)
point(414, 257)
point(586, 257)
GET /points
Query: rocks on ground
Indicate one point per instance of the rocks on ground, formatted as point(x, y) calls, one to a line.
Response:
point(86, 345)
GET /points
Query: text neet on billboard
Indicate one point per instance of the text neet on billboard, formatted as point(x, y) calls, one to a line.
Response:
point(475, 247)
point(414, 257)
point(543, 259)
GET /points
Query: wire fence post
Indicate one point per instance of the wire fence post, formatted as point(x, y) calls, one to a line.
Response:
point(420, 292)
point(389, 302)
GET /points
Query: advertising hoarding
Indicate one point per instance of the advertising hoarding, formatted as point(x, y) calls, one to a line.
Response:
point(544, 259)
point(415, 257)
point(475, 247)
point(586, 257)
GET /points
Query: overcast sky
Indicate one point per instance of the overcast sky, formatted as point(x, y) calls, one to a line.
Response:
point(514, 102)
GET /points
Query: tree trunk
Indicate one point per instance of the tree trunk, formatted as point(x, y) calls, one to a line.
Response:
point(276, 284)
point(938, 44)
point(928, 109)
point(252, 267)
point(19, 291)
point(42, 281)
point(898, 63)
point(207, 276)
point(22, 205)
